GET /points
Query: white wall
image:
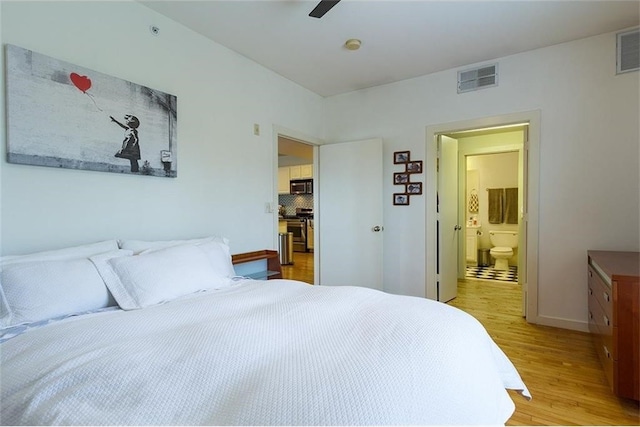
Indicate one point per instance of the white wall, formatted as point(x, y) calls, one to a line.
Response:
point(589, 195)
point(589, 150)
point(225, 173)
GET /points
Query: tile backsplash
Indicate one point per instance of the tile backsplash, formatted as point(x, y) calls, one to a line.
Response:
point(293, 201)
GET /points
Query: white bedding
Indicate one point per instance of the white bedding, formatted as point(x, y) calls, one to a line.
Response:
point(275, 352)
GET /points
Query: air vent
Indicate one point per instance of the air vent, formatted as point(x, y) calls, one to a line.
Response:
point(628, 51)
point(478, 78)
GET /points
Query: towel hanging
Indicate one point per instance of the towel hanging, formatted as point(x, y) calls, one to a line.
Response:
point(474, 203)
point(511, 205)
point(496, 205)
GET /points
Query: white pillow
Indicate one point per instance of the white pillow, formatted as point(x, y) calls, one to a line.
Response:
point(75, 252)
point(159, 276)
point(219, 256)
point(139, 246)
point(40, 290)
point(217, 252)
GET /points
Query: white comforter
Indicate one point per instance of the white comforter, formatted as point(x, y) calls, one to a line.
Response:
point(261, 353)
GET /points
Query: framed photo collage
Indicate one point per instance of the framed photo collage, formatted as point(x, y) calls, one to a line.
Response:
point(411, 168)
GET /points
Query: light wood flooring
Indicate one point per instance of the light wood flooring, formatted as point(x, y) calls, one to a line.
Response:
point(302, 268)
point(560, 367)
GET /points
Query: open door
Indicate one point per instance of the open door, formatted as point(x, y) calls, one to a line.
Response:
point(523, 226)
point(448, 227)
point(350, 213)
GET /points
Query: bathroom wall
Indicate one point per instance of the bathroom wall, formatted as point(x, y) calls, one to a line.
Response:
point(498, 170)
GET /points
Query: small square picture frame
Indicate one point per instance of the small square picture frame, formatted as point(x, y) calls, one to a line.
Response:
point(400, 157)
point(413, 188)
point(400, 178)
point(400, 199)
point(414, 166)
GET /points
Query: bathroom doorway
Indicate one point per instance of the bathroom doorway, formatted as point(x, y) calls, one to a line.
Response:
point(489, 201)
point(491, 206)
point(467, 141)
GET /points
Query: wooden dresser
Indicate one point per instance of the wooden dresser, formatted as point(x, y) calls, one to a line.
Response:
point(614, 320)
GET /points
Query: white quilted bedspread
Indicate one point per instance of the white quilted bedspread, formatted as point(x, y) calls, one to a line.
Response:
point(261, 353)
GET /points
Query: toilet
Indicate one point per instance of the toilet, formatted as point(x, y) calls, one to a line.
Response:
point(503, 243)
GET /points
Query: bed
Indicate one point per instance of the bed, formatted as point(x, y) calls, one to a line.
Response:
point(168, 335)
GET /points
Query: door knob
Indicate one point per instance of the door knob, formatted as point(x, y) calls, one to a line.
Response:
point(377, 228)
point(457, 227)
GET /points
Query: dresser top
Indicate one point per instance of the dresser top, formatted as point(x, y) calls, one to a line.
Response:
point(617, 265)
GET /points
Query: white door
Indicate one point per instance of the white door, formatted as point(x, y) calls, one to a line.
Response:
point(448, 227)
point(523, 226)
point(350, 213)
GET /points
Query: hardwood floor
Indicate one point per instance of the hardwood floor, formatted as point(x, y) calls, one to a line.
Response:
point(560, 367)
point(302, 268)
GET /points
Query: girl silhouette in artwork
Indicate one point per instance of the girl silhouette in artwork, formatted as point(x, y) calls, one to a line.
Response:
point(131, 144)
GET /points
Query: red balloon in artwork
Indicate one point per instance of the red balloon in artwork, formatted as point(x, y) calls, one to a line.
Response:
point(81, 82)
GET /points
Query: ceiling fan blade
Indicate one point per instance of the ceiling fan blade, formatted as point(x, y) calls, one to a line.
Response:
point(323, 7)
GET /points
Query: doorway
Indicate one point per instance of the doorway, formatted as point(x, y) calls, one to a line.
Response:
point(347, 177)
point(486, 176)
point(296, 207)
point(445, 230)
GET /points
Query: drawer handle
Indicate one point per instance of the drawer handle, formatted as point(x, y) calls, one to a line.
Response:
point(606, 296)
point(606, 320)
point(590, 273)
point(590, 316)
point(590, 291)
point(606, 352)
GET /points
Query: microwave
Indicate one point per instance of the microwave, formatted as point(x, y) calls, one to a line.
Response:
point(301, 186)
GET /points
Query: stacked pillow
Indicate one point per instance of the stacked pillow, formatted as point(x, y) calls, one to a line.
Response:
point(134, 273)
point(49, 284)
point(162, 271)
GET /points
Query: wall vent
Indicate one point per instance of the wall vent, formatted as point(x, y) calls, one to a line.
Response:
point(478, 78)
point(628, 51)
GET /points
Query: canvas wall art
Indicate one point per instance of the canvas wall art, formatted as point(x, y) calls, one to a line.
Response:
point(65, 116)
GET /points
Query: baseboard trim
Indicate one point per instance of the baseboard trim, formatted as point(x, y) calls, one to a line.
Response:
point(558, 322)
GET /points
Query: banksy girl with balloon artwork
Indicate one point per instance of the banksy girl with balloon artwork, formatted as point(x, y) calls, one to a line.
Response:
point(65, 116)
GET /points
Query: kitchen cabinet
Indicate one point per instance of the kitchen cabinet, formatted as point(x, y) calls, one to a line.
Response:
point(301, 172)
point(614, 303)
point(306, 171)
point(282, 226)
point(283, 180)
point(295, 172)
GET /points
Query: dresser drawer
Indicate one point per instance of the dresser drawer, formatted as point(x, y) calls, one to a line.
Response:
point(601, 292)
point(599, 322)
point(602, 345)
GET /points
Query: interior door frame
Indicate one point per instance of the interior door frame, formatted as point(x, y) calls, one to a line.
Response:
point(315, 142)
point(531, 180)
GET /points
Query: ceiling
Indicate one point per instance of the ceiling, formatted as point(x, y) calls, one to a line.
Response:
point(400, 39)
point(291, 153)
